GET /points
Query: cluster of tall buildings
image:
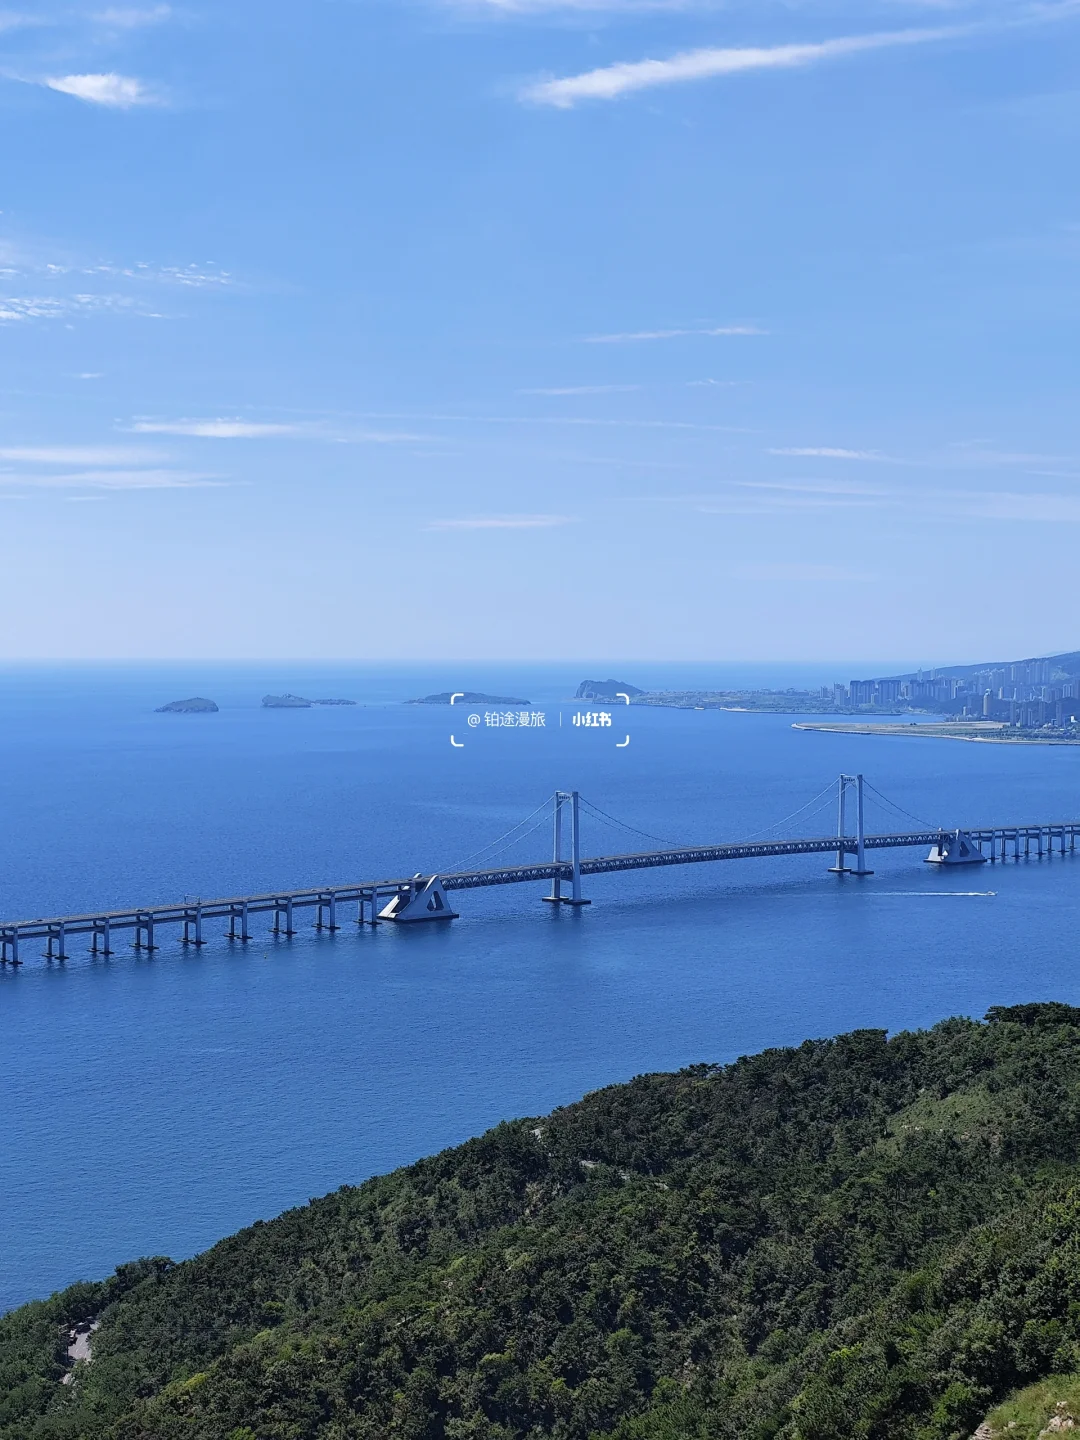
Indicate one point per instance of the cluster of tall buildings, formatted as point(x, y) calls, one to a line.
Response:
point(1030, 693)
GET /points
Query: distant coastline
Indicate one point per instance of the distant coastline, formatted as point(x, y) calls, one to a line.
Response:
point(976, 732)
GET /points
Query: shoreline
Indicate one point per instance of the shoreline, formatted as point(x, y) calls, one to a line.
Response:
point(928, 732)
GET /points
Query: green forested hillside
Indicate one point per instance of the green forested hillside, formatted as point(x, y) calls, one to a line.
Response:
point(858, 1237)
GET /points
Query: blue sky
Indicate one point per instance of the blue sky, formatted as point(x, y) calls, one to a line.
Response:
point(518, 328)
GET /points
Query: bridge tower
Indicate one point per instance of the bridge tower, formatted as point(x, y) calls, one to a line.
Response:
point(568, 798)
point(844, 841)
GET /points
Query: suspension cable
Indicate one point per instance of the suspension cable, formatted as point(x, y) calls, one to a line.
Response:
point(509, 838)
point(603, 815)
point(491, 846)
point(925, 824)
point(510, 844)
point(827, 793)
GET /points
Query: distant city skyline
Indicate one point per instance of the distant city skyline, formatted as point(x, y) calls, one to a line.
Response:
point(526, 330)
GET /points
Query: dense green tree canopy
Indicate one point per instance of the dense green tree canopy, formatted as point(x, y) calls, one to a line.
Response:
point(859, 1237)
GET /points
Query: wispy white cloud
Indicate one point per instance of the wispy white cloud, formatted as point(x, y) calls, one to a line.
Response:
point(616, 7)
point(828, 452)
point(133, 18)
point(218, 429)
point(743, 503)
point(24, 308)
point(195, 277)
point(813, 487)
point(965, 506)
point(97, 467)
point(977, 454)
point(611, 81)
point(961, 455)
point(580, 390)
point(113, 480)
point(19, 20)
point(234, 428)
point(1003, 505)
point(501, 522)
point(117, 92)
point(573, 420)
point(78, 454)
point(630, 336)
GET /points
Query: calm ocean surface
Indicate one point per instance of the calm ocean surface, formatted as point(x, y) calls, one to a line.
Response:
point(154, 1105)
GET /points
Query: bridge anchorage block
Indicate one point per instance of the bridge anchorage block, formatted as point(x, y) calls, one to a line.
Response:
point(421, 902)
point(955, 849)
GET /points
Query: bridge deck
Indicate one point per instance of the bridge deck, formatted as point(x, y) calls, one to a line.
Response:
point(327, 897)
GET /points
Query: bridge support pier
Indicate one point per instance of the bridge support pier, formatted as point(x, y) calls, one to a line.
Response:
point(571, 798)
point(239, 913)
point(9, 948)
point(55, 933)
point(144, 926)
point(193, 921)
point(101, 932)
point(330, 904)
point(283, 907)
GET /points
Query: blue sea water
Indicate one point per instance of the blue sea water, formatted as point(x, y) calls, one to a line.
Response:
point(152, 1105)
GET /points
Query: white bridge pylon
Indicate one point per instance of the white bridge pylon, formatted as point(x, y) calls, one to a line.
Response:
point(571, 800)
point(846, 783)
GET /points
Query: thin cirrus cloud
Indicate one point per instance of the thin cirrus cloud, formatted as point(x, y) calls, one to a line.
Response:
point(97, 467)
point(218, 429)
point(812, 487)
point(78, 454)
point(132, 17)
point(236, 429)
point(112, 480)
point(501, 522)
point(757, 498)
point(19, 20)
point(609, 82)
point(580, 390)
point(827, 452)
point(115, 92)
point(629, 337)
point(541, 7)
point(23, 309)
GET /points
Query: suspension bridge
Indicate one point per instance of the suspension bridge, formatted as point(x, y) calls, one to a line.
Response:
point(426, 897)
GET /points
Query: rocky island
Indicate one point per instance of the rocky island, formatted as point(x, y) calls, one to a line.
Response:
point(468, 697)
point(297, 702)
point(197, 705)
point(606, 690)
